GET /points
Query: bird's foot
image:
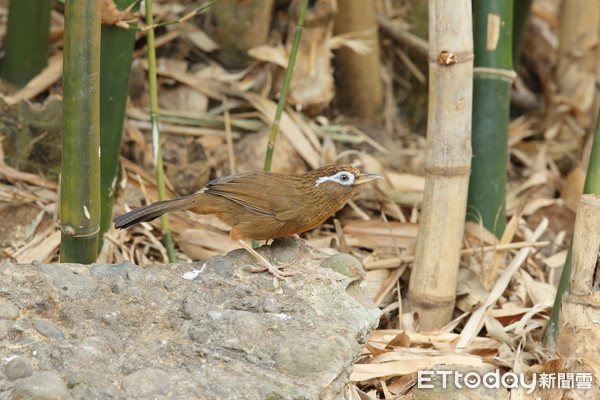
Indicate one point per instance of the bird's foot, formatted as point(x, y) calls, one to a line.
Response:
point(275, 270)
point(266, 265)
point(306, 242)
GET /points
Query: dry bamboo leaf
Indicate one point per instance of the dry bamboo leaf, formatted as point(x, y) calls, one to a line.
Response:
point(202, 243)
point(506, 354)
point(364, 138)
point(381, 228)
point(573, 188)
point(209, 87)
point(535, 204)
point(480, 233)
point(111, 15)
point(373, 349)
point(295, 135)
point(401, 340)
point(535, 180)
point(389, 284)
point(402, 384)
point(216, 72)
point(12, 175)
point(519, 129)
point(406, 182)
point(475, 323)
point(173, 65)
point(361, 372)
point(357, 394)
point(438, 340)
point(158, 42)
point(538, 292)
point(359, 46)
point(306, 128)
point(183, 130)
point(202, 41)
point(496, 331)
point(324, 242)
point(42, 81)
point(375, 279)
point(517, 294)
point(526, 322)
point(184, 98)
point(408, 321)
point(328, 151)
point(508, 313)
point(274, 54)
point(406, 353)
point(43, 250)
point(507, 236)
point(557, 260)
point(469, 290)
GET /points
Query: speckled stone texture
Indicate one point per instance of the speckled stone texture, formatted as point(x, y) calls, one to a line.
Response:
point(123, 332)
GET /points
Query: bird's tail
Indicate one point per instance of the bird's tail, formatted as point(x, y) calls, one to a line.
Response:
point(152, 211)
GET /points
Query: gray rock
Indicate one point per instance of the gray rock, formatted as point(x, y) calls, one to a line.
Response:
point(228, 333)
point(306, 356)
point(18, 368)
point(48, 329)
point(72, 280)
point(146, 382)
point(4, 328)
point(79, 385)
point(124, 270)
point(345, 265)
point(41, 386)
point(8, 310)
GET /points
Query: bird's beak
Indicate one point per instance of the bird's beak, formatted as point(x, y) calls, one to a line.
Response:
point(364, 178)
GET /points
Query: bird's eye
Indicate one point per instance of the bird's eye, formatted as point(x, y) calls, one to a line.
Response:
point(342, 178)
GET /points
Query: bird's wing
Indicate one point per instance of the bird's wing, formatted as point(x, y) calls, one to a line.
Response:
point(257, 191)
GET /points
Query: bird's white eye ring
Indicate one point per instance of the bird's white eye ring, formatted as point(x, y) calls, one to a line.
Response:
point(343, 178)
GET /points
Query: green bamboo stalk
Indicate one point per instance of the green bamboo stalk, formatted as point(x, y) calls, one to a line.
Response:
point(80, 174)
point(520, 21)
point(286, 85)
point(492, 79)
point(591, 186)
point(158, 161)
point(115, 68)
point(26, 40)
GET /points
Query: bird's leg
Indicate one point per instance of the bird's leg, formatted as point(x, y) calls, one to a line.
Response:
point(306, 242)
point(266, 265)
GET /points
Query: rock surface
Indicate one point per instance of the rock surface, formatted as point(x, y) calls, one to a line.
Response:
point(123, 332)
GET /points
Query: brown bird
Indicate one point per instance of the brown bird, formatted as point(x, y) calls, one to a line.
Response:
point(263, 205)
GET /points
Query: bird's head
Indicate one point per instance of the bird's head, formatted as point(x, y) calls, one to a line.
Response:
point(339, 178)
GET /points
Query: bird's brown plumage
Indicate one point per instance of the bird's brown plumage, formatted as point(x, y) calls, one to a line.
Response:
point(262, 205)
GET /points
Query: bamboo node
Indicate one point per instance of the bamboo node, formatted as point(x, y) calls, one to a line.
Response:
point(70, 231)
point(591, 300)
point(447, 171)
point(447, 58)
point(507, 75)
point(424, 302)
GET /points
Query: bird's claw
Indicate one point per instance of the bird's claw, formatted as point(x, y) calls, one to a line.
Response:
point(275, 270)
